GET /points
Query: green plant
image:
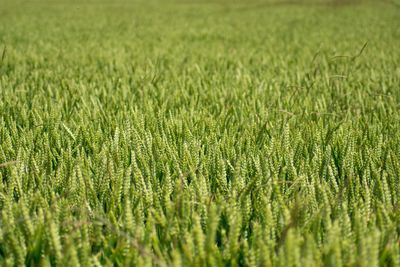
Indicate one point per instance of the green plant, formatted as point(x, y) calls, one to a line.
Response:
point(154, 133)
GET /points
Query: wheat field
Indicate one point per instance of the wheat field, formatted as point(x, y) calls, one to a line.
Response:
point(199, 133)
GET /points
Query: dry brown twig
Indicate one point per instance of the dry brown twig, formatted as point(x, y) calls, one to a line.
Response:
point(8, 163)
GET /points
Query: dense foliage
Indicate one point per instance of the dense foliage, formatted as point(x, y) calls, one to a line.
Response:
point(199, 133)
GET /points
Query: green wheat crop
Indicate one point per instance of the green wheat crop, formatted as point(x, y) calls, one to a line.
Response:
point(199, 133)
